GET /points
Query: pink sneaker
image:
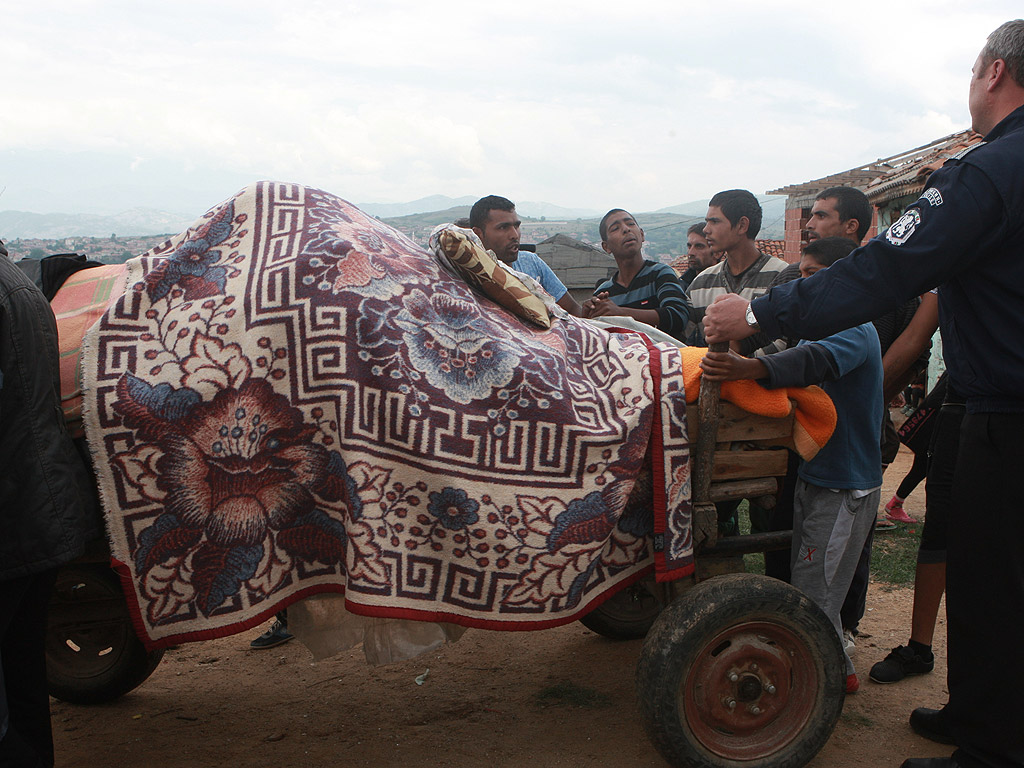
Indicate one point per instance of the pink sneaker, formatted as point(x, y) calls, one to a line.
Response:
point(895, 512)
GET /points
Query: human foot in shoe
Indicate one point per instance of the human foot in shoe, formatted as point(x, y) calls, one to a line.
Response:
point(278, 634)
point(895, 512)
point(931, 723)
point(899, 515)
point(900, 662)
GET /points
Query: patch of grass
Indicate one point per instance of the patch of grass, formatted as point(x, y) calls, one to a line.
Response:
point(754, 562)
point(856, 719)
point(894, 555)
point(566, 693)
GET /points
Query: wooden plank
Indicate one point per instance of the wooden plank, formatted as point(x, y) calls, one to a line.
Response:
point(736, 424)
point(738, 465)
point(744, 489)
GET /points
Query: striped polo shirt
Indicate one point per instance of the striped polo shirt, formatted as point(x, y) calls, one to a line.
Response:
point(717, 281)
point(656, 286)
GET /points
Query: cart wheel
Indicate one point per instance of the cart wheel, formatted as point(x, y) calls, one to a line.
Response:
point(92, 652)
point(741, 670)
point(626, 615)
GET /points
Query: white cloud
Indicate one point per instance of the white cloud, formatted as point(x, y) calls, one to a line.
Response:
point(647, 105)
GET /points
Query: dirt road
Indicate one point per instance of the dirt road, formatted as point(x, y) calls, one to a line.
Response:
point(561, 697)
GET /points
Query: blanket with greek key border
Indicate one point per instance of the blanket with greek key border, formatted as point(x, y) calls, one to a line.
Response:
point(292, 397)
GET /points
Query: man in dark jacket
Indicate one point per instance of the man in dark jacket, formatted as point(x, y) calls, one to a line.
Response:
point(966, 235)
point(45, 511)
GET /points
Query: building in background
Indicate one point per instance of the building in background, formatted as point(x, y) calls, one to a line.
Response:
point(891, 184)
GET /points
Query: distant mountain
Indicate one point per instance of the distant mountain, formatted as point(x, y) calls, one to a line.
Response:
point(551, 211)
point(773, 210)
point(666, 227)
point(423, 205)
point(436, 203)
point(697, 208)
point(134, 222)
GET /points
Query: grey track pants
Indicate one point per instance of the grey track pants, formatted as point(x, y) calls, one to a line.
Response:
point(829, 530)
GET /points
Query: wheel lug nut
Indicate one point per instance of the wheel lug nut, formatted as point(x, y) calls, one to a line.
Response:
point(733, 677)
point(755, 710)
point(753, 667)
point(770, 688)
point(730, 703)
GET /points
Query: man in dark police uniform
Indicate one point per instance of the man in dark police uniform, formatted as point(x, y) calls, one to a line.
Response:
point(966, 235)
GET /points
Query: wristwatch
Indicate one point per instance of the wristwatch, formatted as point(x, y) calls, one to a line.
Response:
point(751, 320)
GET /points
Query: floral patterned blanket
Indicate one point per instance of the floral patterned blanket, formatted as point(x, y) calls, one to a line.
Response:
point(293, 398)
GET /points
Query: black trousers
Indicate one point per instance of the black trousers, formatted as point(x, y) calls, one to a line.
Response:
point(857, 596)
point(776, 563)
point(24, 602)
point(985, 593)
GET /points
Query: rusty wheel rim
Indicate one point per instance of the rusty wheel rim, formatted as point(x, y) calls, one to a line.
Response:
point(750, 691)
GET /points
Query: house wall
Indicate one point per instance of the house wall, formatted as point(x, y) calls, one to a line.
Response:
point(796, 219)
point(798, 213)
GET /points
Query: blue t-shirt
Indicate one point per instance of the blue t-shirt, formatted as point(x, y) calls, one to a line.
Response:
point(852, 459)
point(848, 365)
point(534, 266)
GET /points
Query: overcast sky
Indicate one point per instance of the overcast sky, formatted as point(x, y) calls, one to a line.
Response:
point(582, 104)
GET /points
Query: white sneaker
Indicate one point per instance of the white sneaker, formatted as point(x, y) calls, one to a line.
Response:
point(848, 640)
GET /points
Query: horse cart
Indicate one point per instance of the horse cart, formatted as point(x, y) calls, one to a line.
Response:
point(735, 668)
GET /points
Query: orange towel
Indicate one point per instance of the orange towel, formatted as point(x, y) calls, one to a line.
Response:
point(814, 419)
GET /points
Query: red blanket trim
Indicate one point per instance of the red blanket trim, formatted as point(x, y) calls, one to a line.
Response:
point(381, 612)
point(662, 572)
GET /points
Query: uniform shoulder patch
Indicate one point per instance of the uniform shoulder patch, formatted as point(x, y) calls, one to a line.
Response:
point(964, 152)
point(933, 196)
point(904, 227)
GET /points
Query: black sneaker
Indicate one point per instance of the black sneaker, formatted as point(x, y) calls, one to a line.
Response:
point(931, 723)
point(899, 663)
point(278, 634)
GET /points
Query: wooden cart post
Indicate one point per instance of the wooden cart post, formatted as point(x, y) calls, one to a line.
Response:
point(705, 516)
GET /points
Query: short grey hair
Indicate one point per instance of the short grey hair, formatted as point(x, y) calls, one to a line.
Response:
point(1007, 43)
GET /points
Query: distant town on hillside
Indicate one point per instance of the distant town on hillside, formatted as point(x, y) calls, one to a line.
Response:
point(665, 230)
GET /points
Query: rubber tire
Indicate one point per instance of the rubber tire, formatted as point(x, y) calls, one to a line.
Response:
point(628, 614)
point(723, 625)
point(93, 664)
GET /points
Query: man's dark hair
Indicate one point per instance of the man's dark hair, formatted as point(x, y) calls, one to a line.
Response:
point(603, 226)
point(482, 209)
point(851, 203)
point(1007, 43)
point(828, 250)
point(737, 203)
point(696, 229)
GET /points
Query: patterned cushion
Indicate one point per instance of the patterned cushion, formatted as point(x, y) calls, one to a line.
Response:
point(478, 267)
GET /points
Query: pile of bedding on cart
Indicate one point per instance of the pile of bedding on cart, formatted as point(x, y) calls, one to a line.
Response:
point(292, 398)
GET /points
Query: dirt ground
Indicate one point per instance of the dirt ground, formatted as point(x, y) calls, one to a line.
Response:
point(218, 703)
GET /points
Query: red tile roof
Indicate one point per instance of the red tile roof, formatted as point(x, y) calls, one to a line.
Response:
point(775, 248)
point(889, 177)
point(911, 170)
point(679, 264)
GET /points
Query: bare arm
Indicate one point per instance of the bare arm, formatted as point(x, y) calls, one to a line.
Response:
point(570, 305)
point(601, 305)
point(725, 319)
point(730, 366)
point(908, 346)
